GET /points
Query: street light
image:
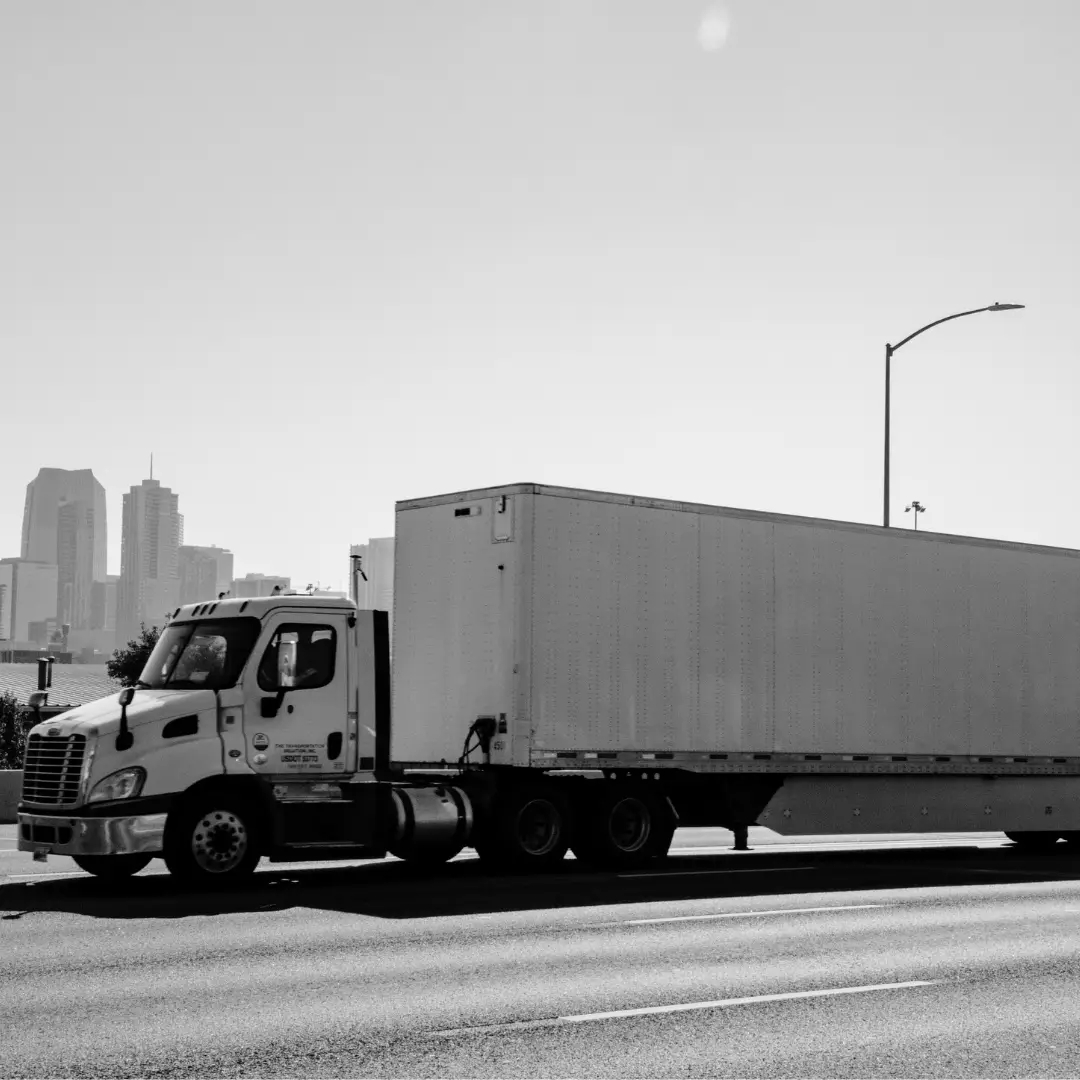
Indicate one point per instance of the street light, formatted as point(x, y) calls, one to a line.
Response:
point(890, 349)
point(918, 508)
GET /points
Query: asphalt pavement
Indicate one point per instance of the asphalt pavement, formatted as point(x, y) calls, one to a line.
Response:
point(902, 956)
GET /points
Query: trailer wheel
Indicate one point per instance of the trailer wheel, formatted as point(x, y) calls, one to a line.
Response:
point(621, 830)
point(213, 840)
point(526, 830)
point(112, 867)
point(1034, 841)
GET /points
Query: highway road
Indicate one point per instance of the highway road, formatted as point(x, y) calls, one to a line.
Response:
point(944, 956)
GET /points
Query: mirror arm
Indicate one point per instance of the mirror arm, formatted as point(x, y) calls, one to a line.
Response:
point(270, 707)
point(124, 738)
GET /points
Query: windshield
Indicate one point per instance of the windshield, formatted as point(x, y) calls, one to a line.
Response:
point(200, 655)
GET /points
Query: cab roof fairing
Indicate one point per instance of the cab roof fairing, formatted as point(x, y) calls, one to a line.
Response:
point(257, 607)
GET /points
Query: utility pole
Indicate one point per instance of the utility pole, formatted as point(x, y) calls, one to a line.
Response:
point(918, 508)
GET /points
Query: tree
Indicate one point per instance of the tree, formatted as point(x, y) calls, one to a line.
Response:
point(126, 664)
point(12, 732)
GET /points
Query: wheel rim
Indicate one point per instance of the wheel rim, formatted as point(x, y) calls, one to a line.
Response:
point(539, 827)
point(219, 841)
point(629, 825)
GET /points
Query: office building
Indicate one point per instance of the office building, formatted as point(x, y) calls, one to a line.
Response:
point(149, 586)
point(204, 572)
point(376, 560)
point(32, 596)
point(64, 524)
point(103, 603)
point(259, 585)
point(6, 578)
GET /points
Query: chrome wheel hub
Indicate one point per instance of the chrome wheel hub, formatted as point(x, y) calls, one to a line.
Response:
point(219, 841)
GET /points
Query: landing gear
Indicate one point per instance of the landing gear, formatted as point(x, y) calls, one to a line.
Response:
point(526, 830)
point(213, 840)
point(112, 867)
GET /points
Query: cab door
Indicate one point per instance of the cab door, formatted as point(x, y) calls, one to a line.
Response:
point(298, 693)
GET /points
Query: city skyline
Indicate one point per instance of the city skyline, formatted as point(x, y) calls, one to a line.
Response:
point(107, 560)
point(59, 584)
point(655, 249)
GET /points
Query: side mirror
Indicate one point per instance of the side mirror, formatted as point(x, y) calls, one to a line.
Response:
point(124, 738)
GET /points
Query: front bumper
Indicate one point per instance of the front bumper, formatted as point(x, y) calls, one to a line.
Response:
point(139, 834)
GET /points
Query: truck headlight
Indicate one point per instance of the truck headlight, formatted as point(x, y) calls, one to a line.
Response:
point(125, 784)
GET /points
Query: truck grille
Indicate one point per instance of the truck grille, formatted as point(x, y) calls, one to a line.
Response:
point(53, 769)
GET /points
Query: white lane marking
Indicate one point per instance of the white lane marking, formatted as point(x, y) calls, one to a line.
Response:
point(656, 1010)
point(744, 914)
point(698, 873)
point(724, 1003)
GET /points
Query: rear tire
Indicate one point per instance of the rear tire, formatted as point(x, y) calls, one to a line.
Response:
point(1034, 841)
point(527, 830)
point(112, 867)
point(214, 839)
point(620, 830)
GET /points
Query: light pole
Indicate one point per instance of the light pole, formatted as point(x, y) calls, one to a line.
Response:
point(918, 508)
point(890, 349)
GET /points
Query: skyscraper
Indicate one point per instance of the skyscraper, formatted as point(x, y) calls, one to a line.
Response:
point(204, 573)
point(64, 524)
point(149, 586)
point(103, 605)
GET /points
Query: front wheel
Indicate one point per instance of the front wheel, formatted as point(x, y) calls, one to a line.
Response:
point(214, 840)
point(112, 867)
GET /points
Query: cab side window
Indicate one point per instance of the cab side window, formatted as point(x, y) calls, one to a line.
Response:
point(299, 657)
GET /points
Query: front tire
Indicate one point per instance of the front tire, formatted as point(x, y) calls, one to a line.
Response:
point(112, 867)
point(214, 840)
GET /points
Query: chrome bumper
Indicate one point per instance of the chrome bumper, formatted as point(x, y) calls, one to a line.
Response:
point(92, 836)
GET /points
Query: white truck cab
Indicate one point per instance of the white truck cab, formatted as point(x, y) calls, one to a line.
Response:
point(256, 728)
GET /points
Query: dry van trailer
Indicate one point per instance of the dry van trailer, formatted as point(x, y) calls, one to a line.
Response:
point(735, 667)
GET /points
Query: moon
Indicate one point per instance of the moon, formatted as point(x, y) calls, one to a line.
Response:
point(714, 29)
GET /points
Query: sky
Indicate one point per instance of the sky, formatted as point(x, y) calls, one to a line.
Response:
point(318, 257)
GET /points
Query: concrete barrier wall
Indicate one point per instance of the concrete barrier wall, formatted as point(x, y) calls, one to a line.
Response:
point(10, 786)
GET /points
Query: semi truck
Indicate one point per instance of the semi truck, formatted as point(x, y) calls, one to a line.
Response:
point(585, 671)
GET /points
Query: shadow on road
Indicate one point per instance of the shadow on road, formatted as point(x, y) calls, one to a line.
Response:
point(397, 891)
